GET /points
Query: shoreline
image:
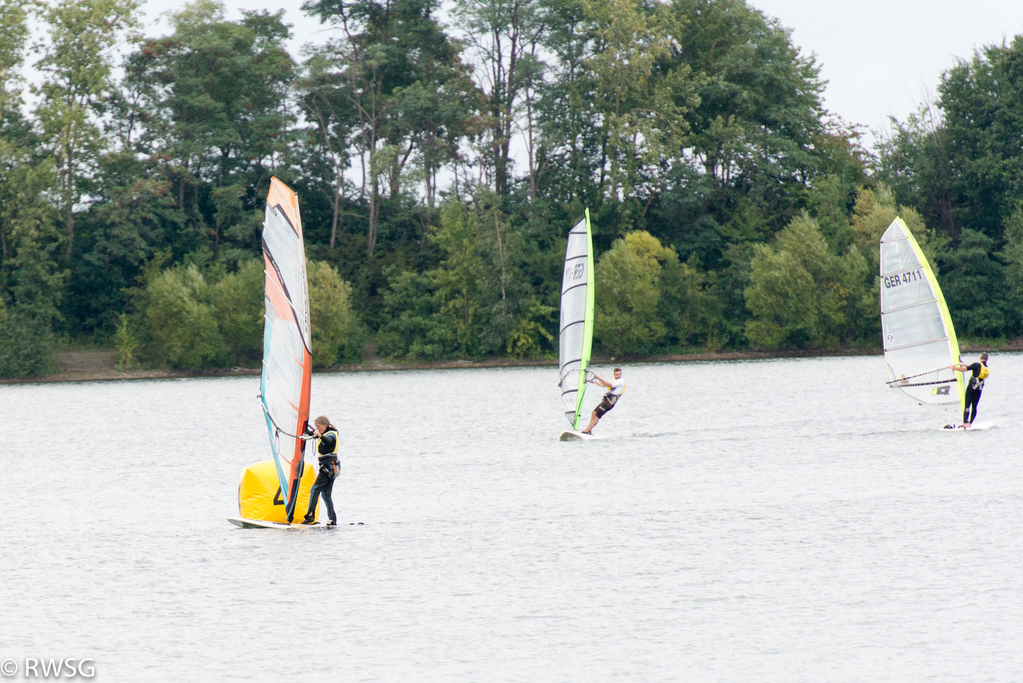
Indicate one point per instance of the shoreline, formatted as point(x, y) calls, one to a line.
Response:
point(98, 366)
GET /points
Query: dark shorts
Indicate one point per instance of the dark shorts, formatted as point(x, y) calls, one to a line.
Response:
point(603, 407)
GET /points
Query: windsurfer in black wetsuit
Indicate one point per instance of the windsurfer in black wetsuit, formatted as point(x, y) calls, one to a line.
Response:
point(330, 467)
point(974, 386)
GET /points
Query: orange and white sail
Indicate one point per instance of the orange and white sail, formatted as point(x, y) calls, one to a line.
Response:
point(287, 356)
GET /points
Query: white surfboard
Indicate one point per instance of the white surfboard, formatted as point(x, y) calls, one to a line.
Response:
point(264, 524)
point(975, 427)
point(571, 435)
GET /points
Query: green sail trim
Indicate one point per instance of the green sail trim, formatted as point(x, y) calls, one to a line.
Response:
point(584, 364)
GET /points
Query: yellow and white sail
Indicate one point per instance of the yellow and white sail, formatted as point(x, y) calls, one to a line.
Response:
point(919, 340)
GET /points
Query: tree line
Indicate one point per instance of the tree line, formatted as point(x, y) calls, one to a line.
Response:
point(441, 154)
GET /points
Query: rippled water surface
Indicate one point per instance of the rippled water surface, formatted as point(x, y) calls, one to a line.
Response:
point(787, 520)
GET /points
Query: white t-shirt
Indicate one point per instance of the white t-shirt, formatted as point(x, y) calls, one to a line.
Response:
point(617, 387)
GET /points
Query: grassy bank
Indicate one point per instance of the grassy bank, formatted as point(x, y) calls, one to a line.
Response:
point(92, 365)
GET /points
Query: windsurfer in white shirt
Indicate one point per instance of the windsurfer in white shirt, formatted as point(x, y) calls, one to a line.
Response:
point(615, 391)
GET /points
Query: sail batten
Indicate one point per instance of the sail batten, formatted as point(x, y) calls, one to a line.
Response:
point(287, 359)
point(919, 338)
point(575, 333)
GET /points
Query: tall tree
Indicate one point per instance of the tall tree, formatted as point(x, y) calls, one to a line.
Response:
point(334, 119)
point(76, 68)
point(386, 47)
point(981, 101)
point(15, 133)
point(214, 101)
point(13, 34)
point(639, 106)
point(506, 38)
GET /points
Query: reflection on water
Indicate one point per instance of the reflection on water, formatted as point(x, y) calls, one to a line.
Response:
point(778, 520)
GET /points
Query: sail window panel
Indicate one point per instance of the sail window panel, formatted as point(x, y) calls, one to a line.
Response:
point(571, 346)
point(933, 395)
point(926, 367)
point(292, 273)
point(573, 306)
point(279, 395)
point(923, 363)
point(287, 252)
point(286, 372)
point(287, 340)
point(570, 391)
point(914, 325)
point(286, 379)
point(905, 289)
point(575, 268)
point(897, 256)
point(575, 276)
point(284, 245)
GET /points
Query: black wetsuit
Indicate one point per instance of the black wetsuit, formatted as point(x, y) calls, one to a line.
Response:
point(974, 386)
point(330, 466)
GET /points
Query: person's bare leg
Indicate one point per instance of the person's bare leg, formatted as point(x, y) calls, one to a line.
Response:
point(593, 422)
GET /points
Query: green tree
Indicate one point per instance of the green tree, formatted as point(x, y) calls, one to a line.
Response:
point(640, 107)
point(627, 285)
point(690, 311)
point(76, 68)
point(982, 115)
point(458, 279)
point(506, 38)
point(133, 216)
point(237, 301)
point(13, 34)
point(212, 105)
point(1012, 257)
point(873, 212)
point(390, 59)
point(758, 136)
point(973, 282)
point(413, 327)
point(33, 283)
point(799, 293)
point(337, 334)
point(183, 329)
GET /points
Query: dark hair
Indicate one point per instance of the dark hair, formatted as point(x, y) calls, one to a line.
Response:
point(618, 369)
point(983, 356)
point(323, 420)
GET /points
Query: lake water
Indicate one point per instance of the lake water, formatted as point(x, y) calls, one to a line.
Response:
point(783, 520)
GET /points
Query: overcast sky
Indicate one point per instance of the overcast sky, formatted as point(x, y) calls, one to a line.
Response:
point(881, 58)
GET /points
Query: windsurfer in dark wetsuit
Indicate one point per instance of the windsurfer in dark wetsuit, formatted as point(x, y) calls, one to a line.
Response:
point(330, 467)
point(978, 373)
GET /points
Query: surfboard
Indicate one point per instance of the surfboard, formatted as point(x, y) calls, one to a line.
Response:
point(572, 435)
point(264, 524)
point(975, 427)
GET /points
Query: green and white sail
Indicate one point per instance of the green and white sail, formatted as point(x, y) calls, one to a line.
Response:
point(575, 338)
point(919, 339)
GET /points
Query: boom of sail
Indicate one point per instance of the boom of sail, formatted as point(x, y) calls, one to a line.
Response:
point(919, 340)
point(287, 358)
point(575, 338)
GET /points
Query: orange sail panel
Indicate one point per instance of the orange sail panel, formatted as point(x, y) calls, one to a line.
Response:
point(287, 357)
